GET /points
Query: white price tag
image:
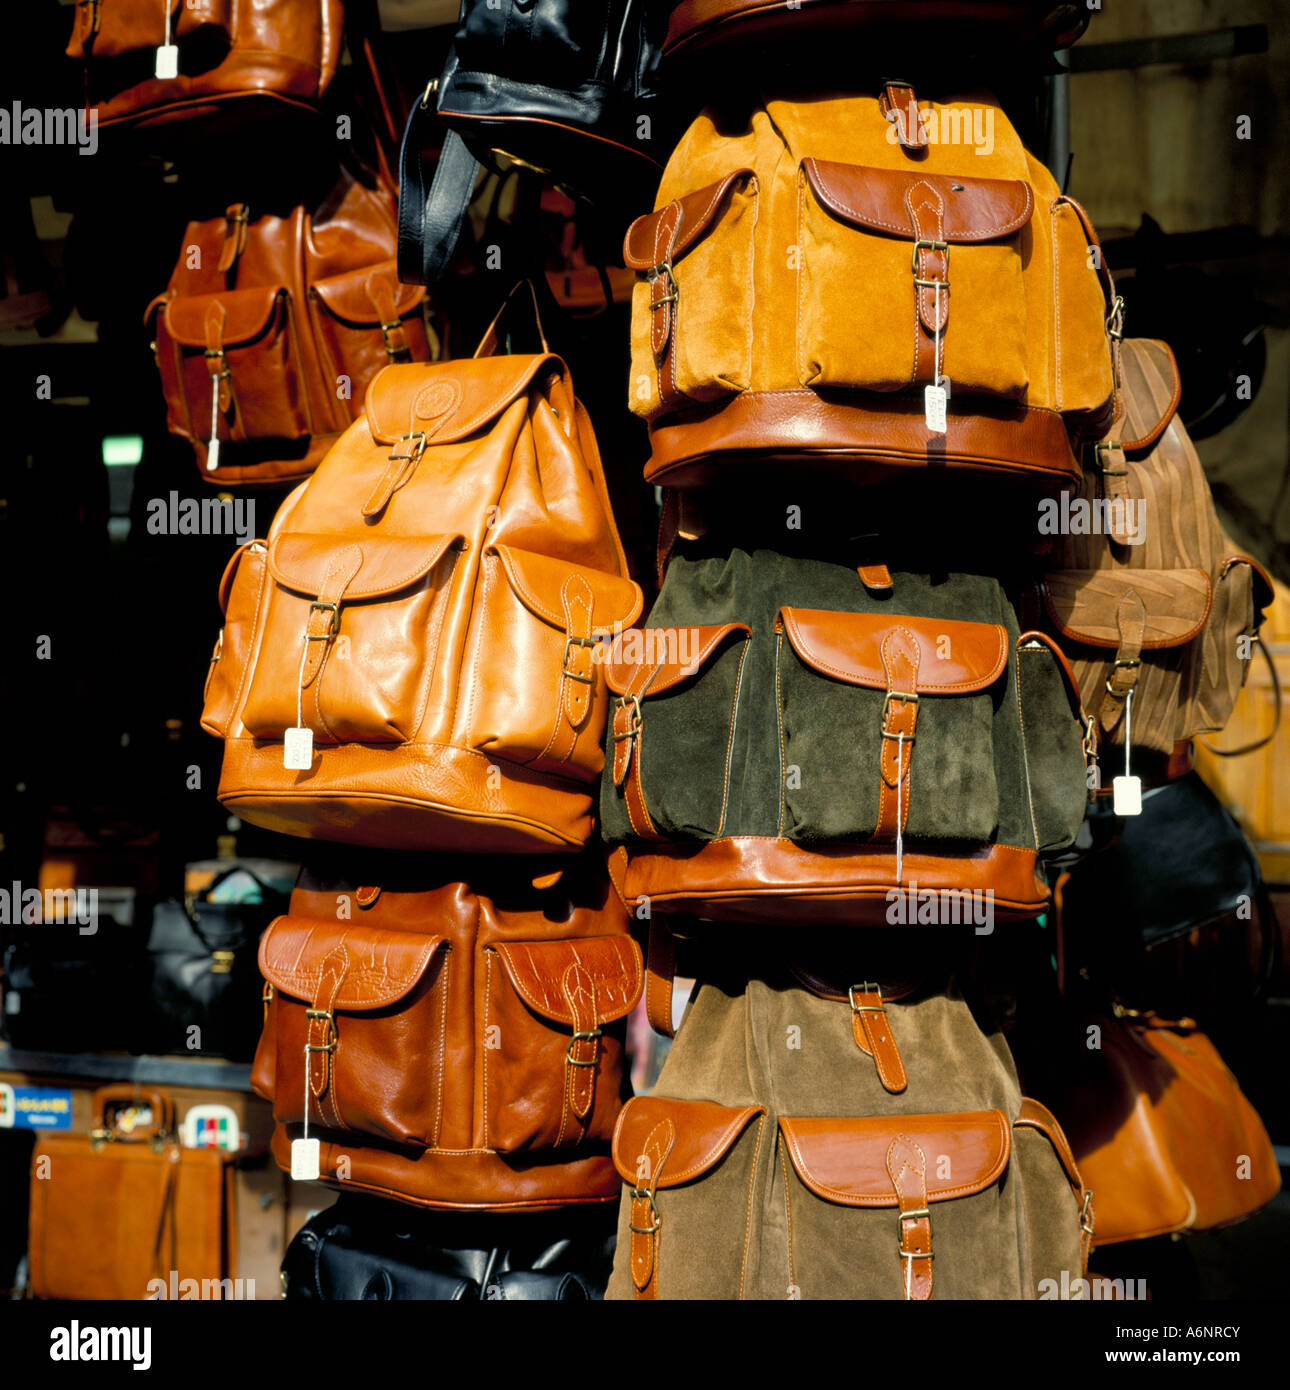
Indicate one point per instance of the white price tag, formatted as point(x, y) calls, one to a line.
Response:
point(934, 408)
point(306, 1160)
point(167, 61)
point(1127, 795)
point(298, 750)
point(212, 456)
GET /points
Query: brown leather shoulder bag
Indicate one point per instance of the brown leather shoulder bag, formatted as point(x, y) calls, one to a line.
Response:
point(453, 1046)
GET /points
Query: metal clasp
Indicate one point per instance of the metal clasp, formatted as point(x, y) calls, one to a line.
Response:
point(1115, 319)
point(1086, 1213)
point(572, 641)
point(867, 987)
point(922, 243)
point(332, 1035)
point(656, 272)
point(333, 623)
point(221, 962)
point(913, 1214)
point(420, 447)
point(1108, 445)
point(587, 1035)
point(634, 727)
point(212, 353)
point(395, 354)
point(643, 1194)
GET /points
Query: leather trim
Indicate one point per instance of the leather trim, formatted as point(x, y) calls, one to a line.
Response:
point(844, 1160)
point(695, 447)
point(972, 210)
point(698, 214)
point(620, 675)
point(380, 967)
point(1137, 433)
point(427, 397)
point(1175, 604)
point(848, 646)
point(385, 565)
point(705, 1133)
point(766, 879)
point(612, 966)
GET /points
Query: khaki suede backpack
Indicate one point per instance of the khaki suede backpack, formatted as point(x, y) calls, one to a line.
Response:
point(820, 269)
point(814, 1138)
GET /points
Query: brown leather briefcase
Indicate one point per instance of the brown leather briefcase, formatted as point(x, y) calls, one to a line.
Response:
point(274, 324)
point(115, 1211)
point(452, 1046)
point(156, 62)
point(1145, 591)
point(412, 660)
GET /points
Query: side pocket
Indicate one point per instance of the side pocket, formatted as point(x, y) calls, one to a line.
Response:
point(551, 1063)
point(241, 590)
point(692, 306)
point(1083, 295)
point(1058, 1207)
point(1052, 730)
point(690, 1211)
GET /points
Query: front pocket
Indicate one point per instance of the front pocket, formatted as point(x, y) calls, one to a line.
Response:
point(845, 1183)
point(372, 1007)
point(551, 1064)
point(860, 760)
point(239, 348)
point(366, 319)
point(868, 237)
point(1053, 739)
point(240, 592)
point(672, 730)
point(537, 692)
point(692, 306)
point(349, 637)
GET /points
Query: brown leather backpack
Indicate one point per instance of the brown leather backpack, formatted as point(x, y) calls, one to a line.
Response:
point(463, 1046)
point(817, 263)
point(1146, 592)
point(156, 62)
point(426, 614)
point(272, 327)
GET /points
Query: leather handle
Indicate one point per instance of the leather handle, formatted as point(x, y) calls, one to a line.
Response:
point(161, 1105)
point(660, 974)
point(431, 219)
point(488, 343)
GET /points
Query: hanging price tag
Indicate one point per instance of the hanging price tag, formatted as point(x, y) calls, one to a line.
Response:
point(934, 408)
point(167, 61)
point(306, 1160)
point(298, 750)
point(1126, 791)
point(212, 449)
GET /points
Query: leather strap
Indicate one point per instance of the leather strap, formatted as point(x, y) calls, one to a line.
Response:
point(323, 621)
point(900, 657)
point(931, 267)
point(321, 1033)
point(236, 217)
point(1036, 1116)
point(628, 730)
point(646, 1223)
point(431, 219)
point(216, 362)
point(899, 105)
point(876, 578)
point(578, 673)
point(1131, 620)
point(380, 292)
point(582, 1055)
point(660, 973)
point(907, 1166)
point(872, 1032)
point(664, 297)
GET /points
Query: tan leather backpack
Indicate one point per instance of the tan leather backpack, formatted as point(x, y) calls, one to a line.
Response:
point(816, 263)
point(273, 325)
point(466, 1038)
point(1146, 592)
point(157, 62)
point(411, 660)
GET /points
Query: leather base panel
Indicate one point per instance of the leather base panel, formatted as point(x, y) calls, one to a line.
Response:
point(1025, 446)
point(456, 1180)
point(762, 879)
point(405, 796)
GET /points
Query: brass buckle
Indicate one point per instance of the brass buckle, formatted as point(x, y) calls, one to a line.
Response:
point(1108, 444)
point(656, 272)
point(905, 697)
point(587, 1035)
point(395, 354)
point(644, 1194)
point(924, 243)
point(332, 1036)
point(431, 86)
point(1086, 1213)
point(333, 623)
point(1121, 663)
point(266, 994)
point(419, 436)
point(571, 641)
point(868, 987)
point(212, 353)
point(914, 1214)
point(221, 962)
point(635, 726)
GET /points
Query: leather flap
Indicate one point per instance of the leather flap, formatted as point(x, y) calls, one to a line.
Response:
point(230, 573)
point(1150, 388)
point(955, 658)
point(548, 975)
point(449, 401)
point(246, 315)
point(876, 200)
point(1084, 604)
point(385, 564)
point(704, 1132)
point(845, 1160)
point(646, 242)
point(355, 295)
point(376, 967)
point(544, 585)
point(677, 652)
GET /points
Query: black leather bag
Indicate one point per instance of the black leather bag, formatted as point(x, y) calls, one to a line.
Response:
point(204, 971)
point(562, 86)
point(367, 1249)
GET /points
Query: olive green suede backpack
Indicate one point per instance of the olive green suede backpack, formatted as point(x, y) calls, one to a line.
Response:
point(810, 1138)
point(799, 740)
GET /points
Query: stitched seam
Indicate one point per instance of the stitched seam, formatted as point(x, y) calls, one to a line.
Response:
point(487, 573)
point(718, 1149)
point(752, 1180)
point(779, 717)
point(969, 686)
point(788, 1220)
point(488, 999)
point(443, 1046)
point(1057, 310)
point(730, 741)
point(1025, 757)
